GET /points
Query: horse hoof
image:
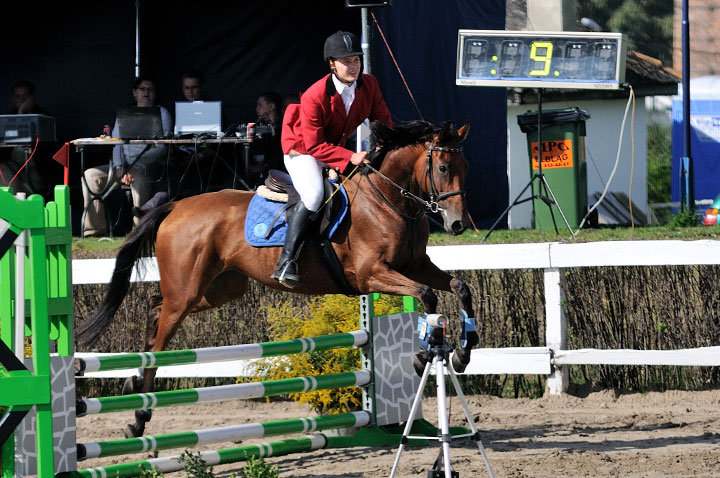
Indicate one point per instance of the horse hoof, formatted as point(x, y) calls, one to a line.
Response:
point(460, 360)
point(419, 361)
point(143, 415)
point(131, 431)
point(131, 385)
point(472, 340)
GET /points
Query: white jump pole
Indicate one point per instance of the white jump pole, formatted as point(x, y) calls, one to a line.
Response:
point(20, 246)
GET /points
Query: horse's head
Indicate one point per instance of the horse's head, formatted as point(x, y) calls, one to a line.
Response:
point(442, 177)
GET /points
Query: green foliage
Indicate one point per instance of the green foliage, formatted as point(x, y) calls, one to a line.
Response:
point(684, 218)
point(659, 145)
point(257, 468)
point(195, 466)
point(330, 314)
point(647, 23)
point(153, 472)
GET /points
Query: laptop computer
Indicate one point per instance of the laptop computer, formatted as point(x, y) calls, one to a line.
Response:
point(140, 122)
point(197, 117)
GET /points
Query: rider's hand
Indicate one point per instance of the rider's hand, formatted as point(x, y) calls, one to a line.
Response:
point(359, 158)
point(127, 179)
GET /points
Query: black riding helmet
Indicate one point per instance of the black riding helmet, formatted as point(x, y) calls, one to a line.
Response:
point(341, 45)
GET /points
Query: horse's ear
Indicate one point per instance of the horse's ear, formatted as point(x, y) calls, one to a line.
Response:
point(463, 131)
point(444, 134)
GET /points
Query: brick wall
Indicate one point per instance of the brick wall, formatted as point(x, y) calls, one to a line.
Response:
point(704, 20)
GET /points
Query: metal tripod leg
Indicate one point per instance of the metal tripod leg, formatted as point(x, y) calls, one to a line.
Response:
point(471, 422)
point(411, 418)
point(507, 209)
point(562, 214)
point(445, 436)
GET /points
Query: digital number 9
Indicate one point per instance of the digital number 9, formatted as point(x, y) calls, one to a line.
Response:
point(547, 57)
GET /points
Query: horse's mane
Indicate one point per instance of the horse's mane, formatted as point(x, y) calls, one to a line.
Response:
point(399, 136)
point(414, 132)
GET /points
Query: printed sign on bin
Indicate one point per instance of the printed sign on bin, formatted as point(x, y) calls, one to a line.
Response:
point(556, 154)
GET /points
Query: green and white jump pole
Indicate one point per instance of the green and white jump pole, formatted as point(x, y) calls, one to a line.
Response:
point(221, 434)
point(375, 425)
point(219, 354)
point(238, 391)
point(386, 376)
point(211, 458)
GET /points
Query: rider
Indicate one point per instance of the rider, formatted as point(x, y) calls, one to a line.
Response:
point(314, 135)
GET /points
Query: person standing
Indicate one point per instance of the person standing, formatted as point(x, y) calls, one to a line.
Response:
point(314, 134)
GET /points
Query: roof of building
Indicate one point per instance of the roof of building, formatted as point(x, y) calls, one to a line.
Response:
point(645, 74)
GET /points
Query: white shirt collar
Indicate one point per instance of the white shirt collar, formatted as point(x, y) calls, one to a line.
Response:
point(340, 86)
point(347, 92)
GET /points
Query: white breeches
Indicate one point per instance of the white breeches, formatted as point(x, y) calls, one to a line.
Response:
point(306, 174)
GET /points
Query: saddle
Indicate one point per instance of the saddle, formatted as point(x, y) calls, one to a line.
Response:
point(265, 223)
point(278, 187)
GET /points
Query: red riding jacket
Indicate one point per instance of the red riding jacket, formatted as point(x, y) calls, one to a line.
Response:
point(319, 126)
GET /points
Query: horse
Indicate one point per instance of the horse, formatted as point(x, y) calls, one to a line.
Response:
point(204, 260)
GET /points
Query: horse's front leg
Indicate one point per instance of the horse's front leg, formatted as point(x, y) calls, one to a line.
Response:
point(428, 273)
point(391, 282)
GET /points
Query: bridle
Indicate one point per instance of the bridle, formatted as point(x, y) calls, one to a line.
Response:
point(429, 205)
point(435, 198)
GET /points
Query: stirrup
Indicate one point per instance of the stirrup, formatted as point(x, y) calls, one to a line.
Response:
point(287, 278)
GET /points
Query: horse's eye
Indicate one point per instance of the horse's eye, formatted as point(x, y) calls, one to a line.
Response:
point(443, 168)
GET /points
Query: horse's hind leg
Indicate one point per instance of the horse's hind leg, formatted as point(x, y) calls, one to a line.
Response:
point(163, 319)
point(134, 384)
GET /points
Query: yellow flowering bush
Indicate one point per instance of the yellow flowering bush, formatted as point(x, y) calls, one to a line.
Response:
point(330, 314)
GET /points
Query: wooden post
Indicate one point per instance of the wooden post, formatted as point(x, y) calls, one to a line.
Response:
point(555, 327)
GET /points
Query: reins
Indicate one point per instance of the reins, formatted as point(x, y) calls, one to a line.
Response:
point(432, 204)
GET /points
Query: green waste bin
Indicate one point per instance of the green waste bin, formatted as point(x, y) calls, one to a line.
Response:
point(563, 164)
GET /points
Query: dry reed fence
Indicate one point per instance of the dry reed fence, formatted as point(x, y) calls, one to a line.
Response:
point(657, 308)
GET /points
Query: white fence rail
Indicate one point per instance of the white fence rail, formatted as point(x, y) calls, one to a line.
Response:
point(552, 258)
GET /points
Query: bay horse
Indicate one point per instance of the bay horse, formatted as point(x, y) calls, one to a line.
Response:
point(204, 260)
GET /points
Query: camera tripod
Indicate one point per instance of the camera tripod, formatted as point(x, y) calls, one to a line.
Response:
point(545, 193)
point(439, 358)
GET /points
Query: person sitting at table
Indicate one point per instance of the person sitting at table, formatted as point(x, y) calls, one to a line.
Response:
point(266, 152)
point(41, 173)
point(191, 165)
point(137, 166)
point(193, 85)
point(268, 107)
point(193, 89)
point(22, 94)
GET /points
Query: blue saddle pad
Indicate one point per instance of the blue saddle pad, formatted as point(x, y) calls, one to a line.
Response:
point(261, 213)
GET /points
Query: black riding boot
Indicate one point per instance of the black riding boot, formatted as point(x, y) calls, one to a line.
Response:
point(286, 271)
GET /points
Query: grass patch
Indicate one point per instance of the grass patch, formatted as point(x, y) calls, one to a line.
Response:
point(96, 247)
point(586, 235)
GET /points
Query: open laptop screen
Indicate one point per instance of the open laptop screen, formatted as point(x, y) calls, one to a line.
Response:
point(198, 117)
point(138, 122)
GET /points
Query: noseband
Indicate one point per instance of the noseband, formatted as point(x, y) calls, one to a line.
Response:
point(431, 205)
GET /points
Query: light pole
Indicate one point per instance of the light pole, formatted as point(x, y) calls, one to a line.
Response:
point(687, 171)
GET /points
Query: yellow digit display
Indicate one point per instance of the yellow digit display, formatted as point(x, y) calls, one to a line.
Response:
point(546, 58)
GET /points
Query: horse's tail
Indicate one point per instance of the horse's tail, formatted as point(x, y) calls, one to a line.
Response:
point(140, 243)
